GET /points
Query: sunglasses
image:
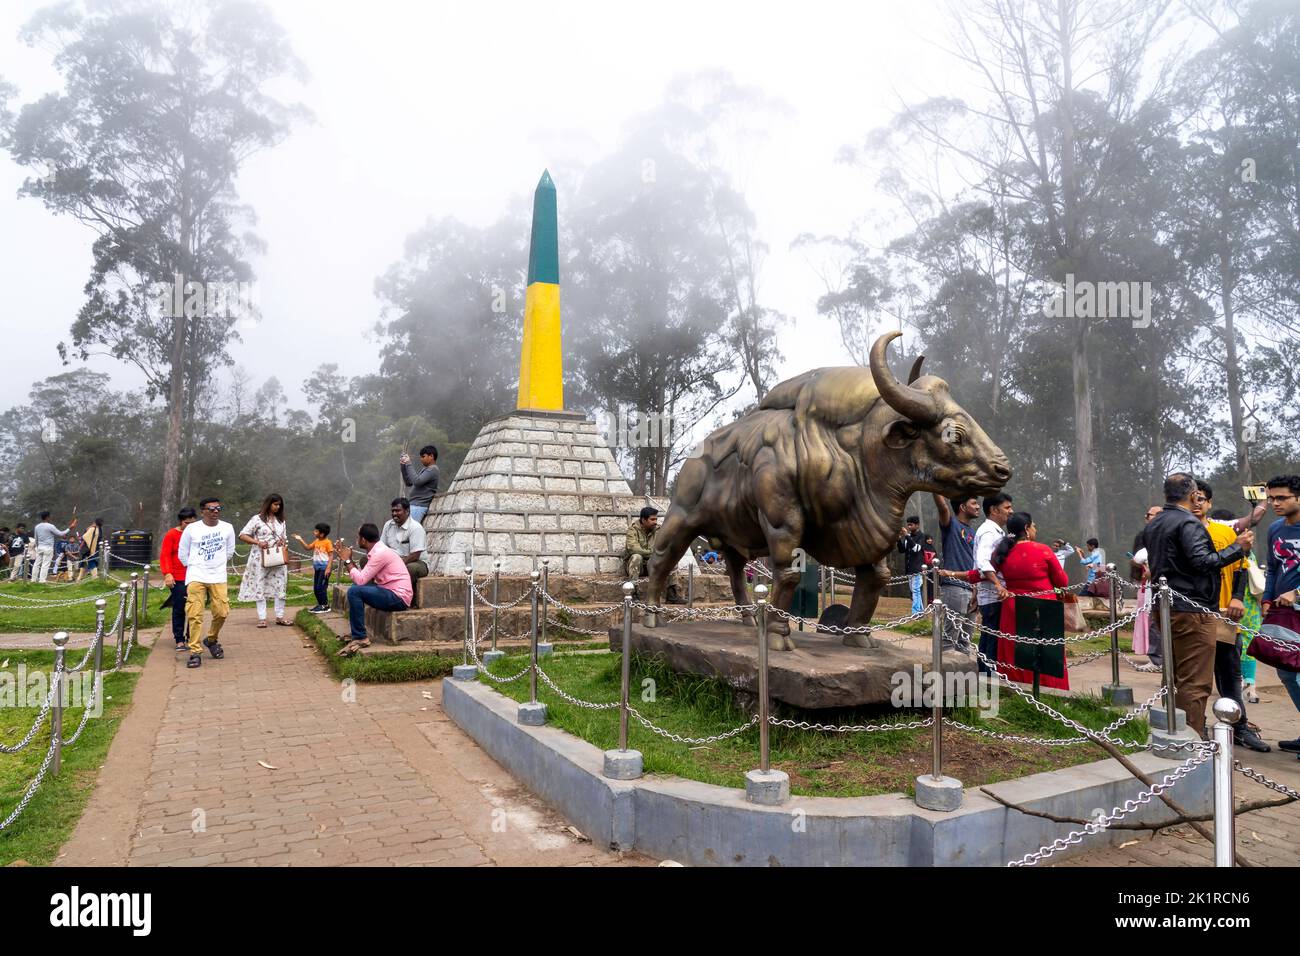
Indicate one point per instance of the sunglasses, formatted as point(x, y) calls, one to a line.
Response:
point(213, 508)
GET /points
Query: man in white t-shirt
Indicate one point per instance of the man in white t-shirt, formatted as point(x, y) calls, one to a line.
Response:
point(405, 535)
point(205, 548)
point(990, 592)
point(46, 534)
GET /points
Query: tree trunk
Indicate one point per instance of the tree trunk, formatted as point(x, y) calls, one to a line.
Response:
point(1084, 467)
point(1226, 285)
point(167, 496)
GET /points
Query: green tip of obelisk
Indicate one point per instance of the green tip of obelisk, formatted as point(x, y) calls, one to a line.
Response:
point(544, 246)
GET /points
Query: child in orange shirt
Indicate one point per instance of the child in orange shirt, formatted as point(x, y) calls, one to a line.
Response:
point(322, 555)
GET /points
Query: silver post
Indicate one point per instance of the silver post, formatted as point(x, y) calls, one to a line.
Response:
point(135, 607)
point(144, 589)
point(496, 599)
point(1114, 632)
point(108, 557)
point(1225, 821)
point(760, 599)
point(469, 611)
point(532, 657)
point(1167, 646)
point(690, 583)
point(100, 605)
point(56, 708)
point(627, 664)
point(103, 560)
point(122, 590)
point(936, 731)
point(546, 589)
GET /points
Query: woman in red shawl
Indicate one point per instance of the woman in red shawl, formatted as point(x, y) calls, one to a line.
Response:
point(1026, 567)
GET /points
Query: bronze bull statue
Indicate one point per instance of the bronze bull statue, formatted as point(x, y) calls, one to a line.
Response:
point(824, 467)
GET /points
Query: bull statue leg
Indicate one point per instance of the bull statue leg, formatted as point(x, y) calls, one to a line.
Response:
point(739, 587)
point(671, 541)
point(871, 580)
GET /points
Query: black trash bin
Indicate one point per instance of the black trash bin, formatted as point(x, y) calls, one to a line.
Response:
point(130, 550)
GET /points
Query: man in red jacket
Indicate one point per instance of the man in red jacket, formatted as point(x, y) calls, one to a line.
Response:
point(174, 574)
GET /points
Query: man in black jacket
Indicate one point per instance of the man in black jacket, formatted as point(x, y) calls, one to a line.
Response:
point(1179, 549)
point(911, 543)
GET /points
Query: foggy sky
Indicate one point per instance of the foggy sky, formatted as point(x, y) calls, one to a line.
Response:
point(448, 108)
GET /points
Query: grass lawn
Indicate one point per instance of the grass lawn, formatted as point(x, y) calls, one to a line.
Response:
point(819, 763)
point(16, 616)
point(42, 829)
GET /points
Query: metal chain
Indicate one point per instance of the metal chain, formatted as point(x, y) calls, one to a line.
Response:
point(1014, 738)
point(850, 728)
point(478, 593)
point(40, 716)
point(1117, 813)
point(694, 741)
point(31, 789)
point(1260, 778)
point(577, 702)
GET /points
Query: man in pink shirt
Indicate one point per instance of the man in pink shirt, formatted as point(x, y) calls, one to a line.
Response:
point(384, 583)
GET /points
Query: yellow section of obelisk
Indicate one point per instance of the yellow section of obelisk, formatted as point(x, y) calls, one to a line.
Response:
point(541, 384)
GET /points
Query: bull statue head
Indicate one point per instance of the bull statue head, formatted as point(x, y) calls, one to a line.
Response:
point(950, 453)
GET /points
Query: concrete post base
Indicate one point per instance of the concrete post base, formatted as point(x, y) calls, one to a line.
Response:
point(1164, 744)
point(648, 619)
point(1117, 695)
point(544, 649)
point(491, 657)
point(942, 793)
point(464, 672)
point(1156, 718)
point(623, 764)
point(769, 789)
point(532, 714)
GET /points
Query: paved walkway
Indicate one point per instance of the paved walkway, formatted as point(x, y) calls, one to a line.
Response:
point(262, 758)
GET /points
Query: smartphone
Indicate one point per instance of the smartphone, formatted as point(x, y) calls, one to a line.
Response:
point(1254, 492)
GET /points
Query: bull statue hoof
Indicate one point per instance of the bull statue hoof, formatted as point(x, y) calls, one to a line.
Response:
point(780, 642)
point(859, 640)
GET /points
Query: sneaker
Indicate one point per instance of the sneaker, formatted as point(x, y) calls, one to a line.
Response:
point(1250, 740)
point(1248, 693)
point(195, 660)
point(182, 645)
point(215, 648)
point(1148, 668)
point(319, 609)
point(1290, 746)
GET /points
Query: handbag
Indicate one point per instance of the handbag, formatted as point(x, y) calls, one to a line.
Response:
point(275, 558)
point(1257, 578)
point(1276, 646)
point(1074, 621)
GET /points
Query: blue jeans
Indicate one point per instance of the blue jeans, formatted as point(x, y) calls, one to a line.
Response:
point(180, 595)
point(990, 617)
point(1291, 681)
point(362, 595)
point(917, 604)
point(320, 584)
point(419, 511)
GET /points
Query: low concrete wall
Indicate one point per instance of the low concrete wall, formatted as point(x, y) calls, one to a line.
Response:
point(705, 825)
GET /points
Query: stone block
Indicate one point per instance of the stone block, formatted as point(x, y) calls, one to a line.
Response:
point(558, 502)
point(581, 451)
point(537, 435)
point(606, 564)
point(572, 467)
point(499, 541)
point(561, 483)
point(623, 764)
point(543, 522)
point(549, 466)
point(528, 543)
point(593, 544)
point(523, 501)
point(598, 503)
point(532, 714)
point(503, 522)
point(591, 484)
point(577, 522)
point(551, 450)
point(612, 523)
point(579, 564)
point(943, 794)
point(560, 542)
point(594, 469)
point(770, 789)
point(525, 483)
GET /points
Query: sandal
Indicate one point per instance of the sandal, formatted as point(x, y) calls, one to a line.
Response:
point(351, 647)
point(261, 624)
point(283, 623)
point(195, 661)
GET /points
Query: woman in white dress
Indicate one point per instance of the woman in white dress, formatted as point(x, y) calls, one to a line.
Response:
point(267, 533)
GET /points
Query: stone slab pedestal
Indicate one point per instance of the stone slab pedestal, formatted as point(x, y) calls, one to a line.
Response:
point(1172, 746)
point(623, 764)
point(532, 714)
point(820, 673)
point(770, 789)
point(544, 649)
point(1158, 721)
point(942, 793)
point(464, 672)
point(491, 657)
point(1117, 695)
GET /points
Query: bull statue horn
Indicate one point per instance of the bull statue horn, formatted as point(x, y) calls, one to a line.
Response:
point(916, 405)
point(913, 375)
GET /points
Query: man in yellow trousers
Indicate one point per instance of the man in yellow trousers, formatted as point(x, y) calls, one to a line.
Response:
point(205, 548)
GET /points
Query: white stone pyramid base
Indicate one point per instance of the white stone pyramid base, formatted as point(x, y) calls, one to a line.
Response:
point(535, 485)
